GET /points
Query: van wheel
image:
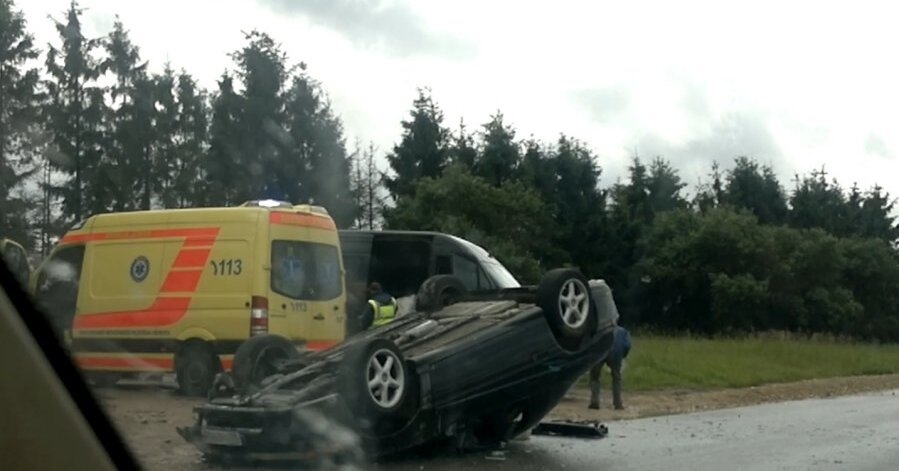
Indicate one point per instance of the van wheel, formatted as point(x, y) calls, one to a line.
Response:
point(195, 367)
point(258, 358)
point(438, 292)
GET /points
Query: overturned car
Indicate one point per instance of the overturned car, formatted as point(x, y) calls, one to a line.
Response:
point(467, 369)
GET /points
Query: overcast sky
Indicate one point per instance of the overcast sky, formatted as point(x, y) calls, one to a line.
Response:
point(796, 85)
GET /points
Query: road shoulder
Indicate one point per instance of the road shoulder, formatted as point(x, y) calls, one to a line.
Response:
point(656, 403)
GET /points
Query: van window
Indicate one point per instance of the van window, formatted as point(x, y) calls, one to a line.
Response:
point(444, 265)
point(400, 265)
point(356, 267)
point(57, 286)
point(470, 274)
point(305, 270)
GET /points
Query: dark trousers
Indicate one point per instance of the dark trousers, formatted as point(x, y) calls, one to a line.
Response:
point(595, 372)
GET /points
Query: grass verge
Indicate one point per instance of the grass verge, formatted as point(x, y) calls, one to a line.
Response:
point(693, 363)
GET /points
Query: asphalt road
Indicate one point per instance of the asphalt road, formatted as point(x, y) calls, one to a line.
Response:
point(853, 432)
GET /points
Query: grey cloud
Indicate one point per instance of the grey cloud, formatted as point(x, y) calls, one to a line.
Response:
point(605, 104)
point(392, 26)
point(735, 134)
point(875, 145)
point(695, 102)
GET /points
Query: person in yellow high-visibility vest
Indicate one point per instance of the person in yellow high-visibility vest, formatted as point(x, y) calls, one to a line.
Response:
point(381, 307)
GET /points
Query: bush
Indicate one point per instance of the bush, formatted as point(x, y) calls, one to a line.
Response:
point(721, 271)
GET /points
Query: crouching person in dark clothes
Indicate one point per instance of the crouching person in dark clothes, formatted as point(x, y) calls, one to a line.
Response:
point(621, 346)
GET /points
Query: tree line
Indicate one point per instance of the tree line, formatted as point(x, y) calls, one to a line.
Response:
point(739, 254)
point(92, 130)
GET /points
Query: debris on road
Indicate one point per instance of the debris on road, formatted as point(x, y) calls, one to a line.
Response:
point(593, 430)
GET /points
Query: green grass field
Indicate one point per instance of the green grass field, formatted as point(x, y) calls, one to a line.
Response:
point(694, 363)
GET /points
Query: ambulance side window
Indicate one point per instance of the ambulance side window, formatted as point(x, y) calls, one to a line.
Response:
point(305, 270)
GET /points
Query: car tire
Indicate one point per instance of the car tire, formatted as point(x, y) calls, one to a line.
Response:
point(438, 292)
point(257, 358)
point(195, 368)
point(565, 300)
point(378, 386)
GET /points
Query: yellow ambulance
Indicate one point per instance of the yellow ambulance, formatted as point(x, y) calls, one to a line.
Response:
point(179, 290)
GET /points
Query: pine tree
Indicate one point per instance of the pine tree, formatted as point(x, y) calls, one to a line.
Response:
point(262, 67)
point(462, 151)
point(755, 187)
point(817, 202)
point(132, 118)
point(710, 195)
point(423, 150)
point(876, 216)
point(191, 142)
point(19, 110)
point(580, 206)
point(222, 167)
point(76, 115)
point(165, 159)
point(664, 185)
point(499, 152)
point(318, 168)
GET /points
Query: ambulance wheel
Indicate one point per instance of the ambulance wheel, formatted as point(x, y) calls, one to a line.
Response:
point(195, 367)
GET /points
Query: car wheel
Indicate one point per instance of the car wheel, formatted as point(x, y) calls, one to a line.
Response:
point(195, 368)
point(378, 385)
point(565, 300)
point(438, 292)
point(259, 358)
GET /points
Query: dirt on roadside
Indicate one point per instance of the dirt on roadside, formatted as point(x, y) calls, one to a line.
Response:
point(147, 414)
point(655, 403)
